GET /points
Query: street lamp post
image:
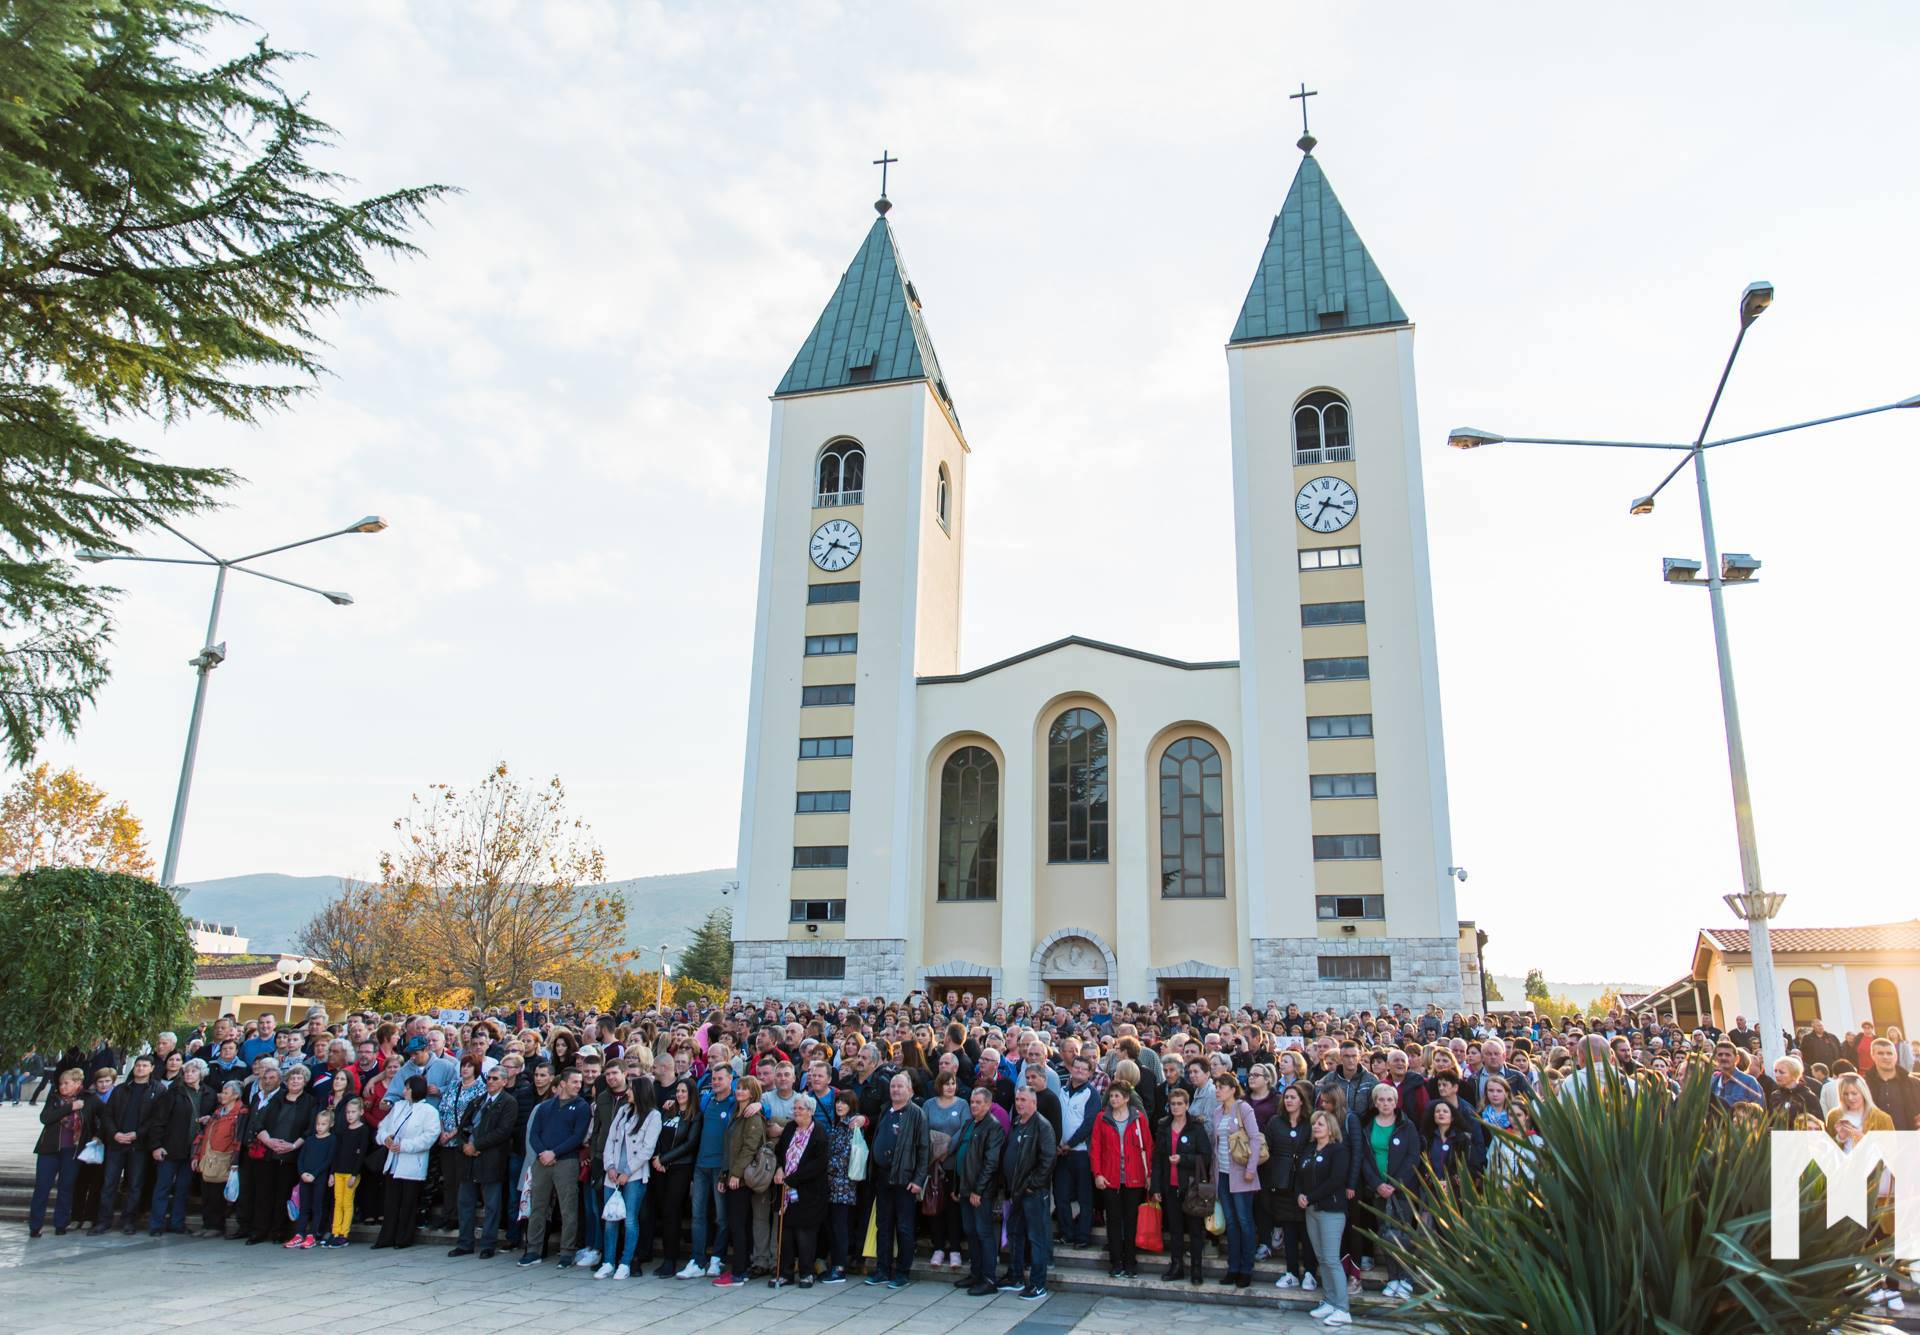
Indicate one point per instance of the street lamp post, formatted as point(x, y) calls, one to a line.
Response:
point(660, 996)
point(1753, 904)
point(293, 970)
point(213, 653)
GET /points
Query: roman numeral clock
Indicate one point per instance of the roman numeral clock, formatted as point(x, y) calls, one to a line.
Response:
point(1327, 504)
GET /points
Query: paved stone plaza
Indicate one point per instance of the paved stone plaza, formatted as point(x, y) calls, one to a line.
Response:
point(125, 1284)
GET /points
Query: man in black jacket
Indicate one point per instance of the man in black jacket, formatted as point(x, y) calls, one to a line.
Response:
point(1894, 1091)
point(172, 1121)
point(1026, 1166)
point(976, 1178)
point(487, 1129)
point(902, 1158)
point(125, 1115)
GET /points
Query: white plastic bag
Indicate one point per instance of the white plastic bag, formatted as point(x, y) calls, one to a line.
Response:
point(616, 1209)
point(94, 1151)
point(526, 1191)
point(857, 1157)
point(232, 1192)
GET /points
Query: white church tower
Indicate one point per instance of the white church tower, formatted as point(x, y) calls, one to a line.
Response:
point(860, 567)
point(1347, 844)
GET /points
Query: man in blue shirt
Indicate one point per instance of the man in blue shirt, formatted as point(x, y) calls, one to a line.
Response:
point(1732, 1086)
point(555, 1132)
point(262, 1045)
point(717, 1111)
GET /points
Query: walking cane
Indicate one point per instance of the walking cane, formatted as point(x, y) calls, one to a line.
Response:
point(779, 1254)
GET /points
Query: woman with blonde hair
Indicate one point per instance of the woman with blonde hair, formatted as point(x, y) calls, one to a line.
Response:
point(1852, 1119)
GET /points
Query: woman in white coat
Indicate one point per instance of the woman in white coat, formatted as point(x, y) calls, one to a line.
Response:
point(409, 1132)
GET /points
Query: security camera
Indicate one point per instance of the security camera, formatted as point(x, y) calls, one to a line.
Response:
point(813, 927)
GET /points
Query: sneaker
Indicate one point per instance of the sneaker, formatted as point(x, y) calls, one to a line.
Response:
point(1308, 1283)
point(1262, 1252)
point(1287, 1281)
point(1339, 1318)
point(730, 1281)
point(691, 1270)
point(1011, 1286)
point(292, 1244)
point(806, 1281)
point(834, 1276)
point(1033, 1295)
point(527, 1258)
point(874, 1280)
point(939, 1259)
point(714, 1268)
point(1366, 1263)
point(605, 1271)
point(306, 1242)
point(1321, 1312)
point(898, 1282)
point(954, 1262)
point(586, 1256)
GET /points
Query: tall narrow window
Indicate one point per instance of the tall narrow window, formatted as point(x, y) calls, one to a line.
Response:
point(969, 825)
point(1883, 999)
point(1804, 997)
point(842, 476)
point(1077, 788)
point(943, 498)
point(1193, 834)
point(1321, 432)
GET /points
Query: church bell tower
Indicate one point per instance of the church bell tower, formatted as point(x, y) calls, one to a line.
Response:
point(1345, 778)
point(859, 594)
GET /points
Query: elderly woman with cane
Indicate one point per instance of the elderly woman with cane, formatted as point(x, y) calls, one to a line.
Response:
point(800, 1176)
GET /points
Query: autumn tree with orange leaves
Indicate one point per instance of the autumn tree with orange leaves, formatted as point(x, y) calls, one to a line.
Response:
point(51, 819)
point(498, 886)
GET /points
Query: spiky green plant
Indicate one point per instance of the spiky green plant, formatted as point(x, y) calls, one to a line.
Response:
point(1642, 1213)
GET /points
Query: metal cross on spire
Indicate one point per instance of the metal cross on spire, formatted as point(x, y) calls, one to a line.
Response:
point(1307, 141)
point(882, 204)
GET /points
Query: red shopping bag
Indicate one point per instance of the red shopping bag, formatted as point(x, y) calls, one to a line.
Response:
point(1146, 1229)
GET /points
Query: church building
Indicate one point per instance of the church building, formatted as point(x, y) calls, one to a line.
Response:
point(1085, 816)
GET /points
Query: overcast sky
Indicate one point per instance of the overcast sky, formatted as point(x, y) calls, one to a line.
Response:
point(562, 411)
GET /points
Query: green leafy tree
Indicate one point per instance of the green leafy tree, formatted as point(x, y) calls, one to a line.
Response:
point(166, 248)
point(90, 954)
point(1536, 985)
point(1640, 1213)
point(709, 959)
point(1493, 989)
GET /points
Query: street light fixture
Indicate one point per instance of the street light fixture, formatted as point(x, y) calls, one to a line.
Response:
point(293, 970)
point(1756, 905)
point(213, 655)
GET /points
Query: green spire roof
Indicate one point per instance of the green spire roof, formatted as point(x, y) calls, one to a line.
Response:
point(871, 331)
point(1315, 274)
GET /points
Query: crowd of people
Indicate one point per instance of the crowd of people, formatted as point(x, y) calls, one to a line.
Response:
point(813, 1143)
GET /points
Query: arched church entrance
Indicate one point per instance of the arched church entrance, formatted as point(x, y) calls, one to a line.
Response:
point(1068, 963)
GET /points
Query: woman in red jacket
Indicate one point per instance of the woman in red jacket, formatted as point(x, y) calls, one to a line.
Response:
point(1122, 1152)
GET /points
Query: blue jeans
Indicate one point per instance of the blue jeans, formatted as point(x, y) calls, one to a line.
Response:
point(1029, 1238)
point(896, 1210)
point(172, 1178)
point(510, 1195)
point(982, 1225)
point(1073, 1185)
point(590, 1202)
point(10, 1082)
point(1239, 1208)
point(709, 1214)
point(124, 1163)
point(59, 1169)
point(633, 1193)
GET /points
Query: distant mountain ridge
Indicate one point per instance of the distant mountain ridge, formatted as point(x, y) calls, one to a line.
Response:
point(270, 908)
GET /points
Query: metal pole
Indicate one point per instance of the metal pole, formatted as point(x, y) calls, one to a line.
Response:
point(207, 664)
point(289, 1019)
point(660, 997)
point(1762, 947)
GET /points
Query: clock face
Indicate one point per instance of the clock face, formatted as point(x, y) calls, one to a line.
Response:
point(1327, 504)
point(835, 544)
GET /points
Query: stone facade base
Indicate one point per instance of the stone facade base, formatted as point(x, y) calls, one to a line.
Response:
point(874, 968)
point(1421, 969)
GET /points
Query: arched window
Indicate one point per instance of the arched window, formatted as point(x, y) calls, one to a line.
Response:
point(1804, 997)
point(1719, 1013)
point(969, 825)
point(1193, 835)
point(943, 496)
point(1077, 788)
point(1884, 1000)
point(1321, 429)
point(842, 474)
